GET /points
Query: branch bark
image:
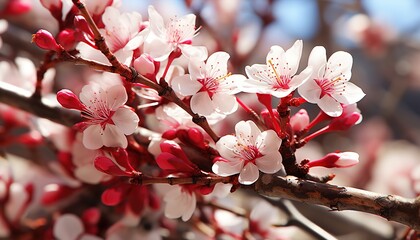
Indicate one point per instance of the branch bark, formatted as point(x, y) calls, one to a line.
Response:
point(391, 207)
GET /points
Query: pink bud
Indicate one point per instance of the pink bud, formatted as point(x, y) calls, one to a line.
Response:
point(299, 121)
point(350, 117)
point(15, 7)
point(81, 23)
point(265, 114)
point(67, 38)
point(336, 160)
point(112, 196)
point(145, 65)
point(196, 136)
point(107, 166)
point(45, 40)
point(69, 100)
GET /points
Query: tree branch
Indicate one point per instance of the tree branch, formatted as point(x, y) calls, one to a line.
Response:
point(393, 208)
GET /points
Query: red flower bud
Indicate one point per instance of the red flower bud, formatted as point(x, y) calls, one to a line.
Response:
point(45, 40)
point(69, 100)
point(15, 7)
point(67, 38)
point(336, 160)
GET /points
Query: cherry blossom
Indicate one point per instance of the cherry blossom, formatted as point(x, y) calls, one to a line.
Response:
point(70, 227)
point(329, 86)
point(336, 160)
point(211, 86)
point(123, 32)
point(180, 202)
point(278, 76)
point(175, 34)
point(247, 152)
point(107, 120)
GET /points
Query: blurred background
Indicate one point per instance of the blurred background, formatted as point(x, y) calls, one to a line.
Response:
point(383, 36)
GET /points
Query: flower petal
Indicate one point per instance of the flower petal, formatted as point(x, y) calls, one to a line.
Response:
point(292, 57)
point(185, 86)
point(216, 65)
point(339, 65)
point(116, 96)
point(247, 132)
point(330, 106)
point(318, 60)
point(126, 120)
point(190, 203)
point(113, 137)
point(270, 163)
point(310, 91)
point(249, 174)
point(156, 23)
point(224, 169)
point(197, 52)
point(202, 104)
point(226, 145)
point(224, 103)
point(352, 94)
point(268, 142)
point(88, 174)
point(92, 137)
point(157, 47)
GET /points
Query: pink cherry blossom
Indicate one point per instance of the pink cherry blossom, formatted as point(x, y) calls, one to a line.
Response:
point(329, 85)
point(247, 152)
point(107, 119)
point(211, 86)
point(174, 34)
point(278, 76)
point(336, 160)
point(123, 32)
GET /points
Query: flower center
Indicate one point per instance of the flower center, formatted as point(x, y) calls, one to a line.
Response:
point(282, 81)
point(210, 85)
point(250, 153)
point(329, 87)
point(98, 112)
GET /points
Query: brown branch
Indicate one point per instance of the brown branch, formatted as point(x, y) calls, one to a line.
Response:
point(391, 207)
point(199, 180)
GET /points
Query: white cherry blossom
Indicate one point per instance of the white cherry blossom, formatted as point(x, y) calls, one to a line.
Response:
point(329, 85)
point(123, 32)
point(173, 34)
point(247, 152)
point(278, 76)
point(211, 86)
point(179, 203)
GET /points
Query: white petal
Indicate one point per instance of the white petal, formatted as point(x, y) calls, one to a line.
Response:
point(197, 69)
point(232, 84)
point(190, 203)
point(68, 227)
point(92, 138)
point(352, 94)
point(300, 79)
point(292, 57)
point(310, 91)
point(185, 86)
point(202, 104)
point(126, 120)
point(318, 60)
point(87, 52)
point(17, 198)
point(156, 22)
point(113, 137)
point(330, 106)
point(157, 47)
point(225, 104)
point(247, 132)
point(175, 203)
point(249, 174)
point(275, 56)
point(339, 65)
point(89, 237)
point(89, 174)
point(116, 96)
point(270, 163)
point(226, 145)
point(124, 56)
point(224, 169)
point(259, 75)
point(216, 65)
point(197, 52)
point(268, 142)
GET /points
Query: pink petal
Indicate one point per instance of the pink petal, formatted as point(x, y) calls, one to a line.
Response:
point(92, 138)
point(224, 169)
point(112, 196)
point(114, 137)
point(116, 96)
point(216, 65)
point(224, 103)
point(169, 162)
point(108, 166)
point(126, 120)
point(330, 106)
point(68, 227)
point(318, 60)
point(270, 163)
point(249, 174)
point(202, 104)
point(17, 199)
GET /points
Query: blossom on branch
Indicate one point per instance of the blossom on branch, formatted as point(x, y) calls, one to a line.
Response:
point(211, 86)
point(107, 120)
point(329, 86)
point(249, 151)
point(173, 35)
point(278, 76)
